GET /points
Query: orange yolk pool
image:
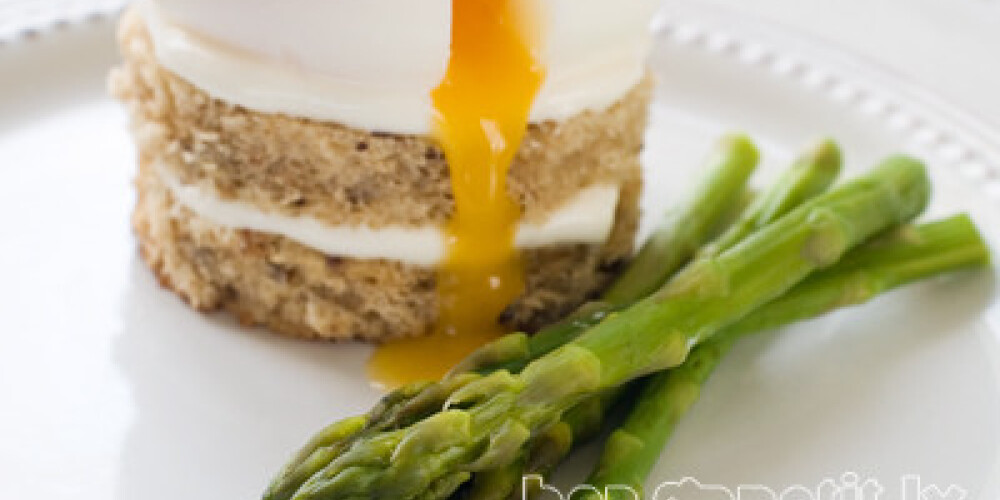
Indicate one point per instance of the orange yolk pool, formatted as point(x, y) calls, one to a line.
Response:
point(482, 108)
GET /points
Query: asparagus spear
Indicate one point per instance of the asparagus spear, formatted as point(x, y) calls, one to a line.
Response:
point(730, 164)
point(716, 291)
point(812, 173)
point(671, 246)
point(484, 423)
point(323, 447)
point(684, 232)
point(903, 257)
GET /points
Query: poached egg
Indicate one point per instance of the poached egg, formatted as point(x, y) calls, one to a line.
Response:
point(471, 73)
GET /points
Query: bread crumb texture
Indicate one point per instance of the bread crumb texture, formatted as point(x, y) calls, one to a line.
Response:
point(292, 289)
point(343, 176)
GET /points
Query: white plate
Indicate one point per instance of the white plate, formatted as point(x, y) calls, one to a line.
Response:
point(111, 388)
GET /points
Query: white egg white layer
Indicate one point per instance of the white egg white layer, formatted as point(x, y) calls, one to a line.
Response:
point(372, 64)
point(586, 218)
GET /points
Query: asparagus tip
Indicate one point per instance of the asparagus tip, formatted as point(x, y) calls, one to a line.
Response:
point(827, 156)
point(741, 145)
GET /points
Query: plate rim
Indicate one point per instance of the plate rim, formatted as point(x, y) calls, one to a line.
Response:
point(964, 144)
point(713, 33)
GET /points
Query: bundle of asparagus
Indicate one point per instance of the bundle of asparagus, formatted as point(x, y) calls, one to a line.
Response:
point(518, 405)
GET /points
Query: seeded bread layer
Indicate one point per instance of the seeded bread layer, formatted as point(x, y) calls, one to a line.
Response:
point(294, 290)
point(347, 176)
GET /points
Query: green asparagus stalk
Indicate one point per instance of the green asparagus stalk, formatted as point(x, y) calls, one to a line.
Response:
point(670, 247)
point(632, 450)
point(810, 175)
point(667, 250)
point(323, 447)
point(903, 257)
point(729, 166)
point(485, 423)
point(397, 409)
point(718, 290)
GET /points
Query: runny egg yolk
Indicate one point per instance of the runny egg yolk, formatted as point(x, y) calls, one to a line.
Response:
point(482, 108)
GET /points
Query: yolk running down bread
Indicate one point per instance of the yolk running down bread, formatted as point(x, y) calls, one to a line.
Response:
point(482, 109)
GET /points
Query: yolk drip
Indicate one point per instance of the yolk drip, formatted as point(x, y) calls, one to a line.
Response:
point(482, 108)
